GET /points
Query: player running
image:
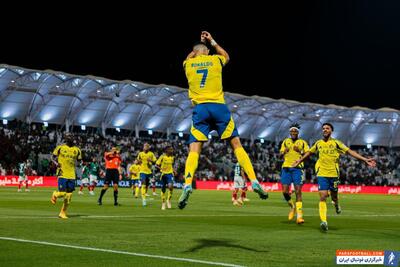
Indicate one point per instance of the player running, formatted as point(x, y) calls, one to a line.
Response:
point(292, 149)
point(165, 163)
point(327, 168)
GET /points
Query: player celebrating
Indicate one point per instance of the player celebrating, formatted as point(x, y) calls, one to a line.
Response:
point(165, 163)
point(204, 75)
point(292, 149)
point(65, 157)
point(146, 159)
point(327, 168)
point(134, 171)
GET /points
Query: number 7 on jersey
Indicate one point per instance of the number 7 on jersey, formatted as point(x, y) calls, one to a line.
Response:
point(204, 72)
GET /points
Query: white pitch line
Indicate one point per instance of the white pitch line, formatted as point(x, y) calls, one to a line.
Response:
point(189, 216)
point(119, 252)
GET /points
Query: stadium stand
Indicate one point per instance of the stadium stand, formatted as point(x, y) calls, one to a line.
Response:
point(35, 142)
point(103, 112)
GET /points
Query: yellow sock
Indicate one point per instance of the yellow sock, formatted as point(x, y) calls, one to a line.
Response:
point(137, 191)
point(322, 210)
point(65, 205)
point(190, 167)
point(169, 195)
point(299, 209)
point(291, 204)
point(162, 196)
point(143, 192)
point(60, 194)
point(68, 197)
point(245, 163)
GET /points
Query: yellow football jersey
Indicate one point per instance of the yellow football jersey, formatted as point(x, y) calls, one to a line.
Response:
point(291, 156)
point(67, 157)
point(134, 170)
point(165, 162)
point(329, 152)
point(146, 159)
point(204, 75)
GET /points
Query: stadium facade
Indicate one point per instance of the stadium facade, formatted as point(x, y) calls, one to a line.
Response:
point(73, 100)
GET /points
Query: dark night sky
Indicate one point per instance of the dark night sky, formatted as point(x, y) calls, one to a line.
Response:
point(329, 52)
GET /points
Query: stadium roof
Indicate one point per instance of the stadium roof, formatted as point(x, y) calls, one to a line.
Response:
point(61, 98)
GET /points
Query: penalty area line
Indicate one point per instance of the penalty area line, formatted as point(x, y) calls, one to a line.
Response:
point(119, 252)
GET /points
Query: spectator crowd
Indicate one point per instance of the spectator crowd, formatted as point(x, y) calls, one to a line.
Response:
point(20, 141)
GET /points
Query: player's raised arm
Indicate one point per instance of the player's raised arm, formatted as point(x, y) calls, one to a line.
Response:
point(191, 55)
point(220, 51)
point(369, 161)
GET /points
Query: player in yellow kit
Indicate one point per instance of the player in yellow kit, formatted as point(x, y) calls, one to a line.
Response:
point(292, 149)
point(134, 171)
point(204, 75)
point(146, 159)
point(65, 157)
point(165, 163)
point(327, 168)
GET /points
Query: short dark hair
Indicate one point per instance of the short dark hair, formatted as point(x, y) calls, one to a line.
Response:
point(327, 123)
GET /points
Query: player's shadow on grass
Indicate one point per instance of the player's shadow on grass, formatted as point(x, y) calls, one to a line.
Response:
point(207, 243)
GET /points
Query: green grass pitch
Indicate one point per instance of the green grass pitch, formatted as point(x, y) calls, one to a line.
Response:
point(209, 229)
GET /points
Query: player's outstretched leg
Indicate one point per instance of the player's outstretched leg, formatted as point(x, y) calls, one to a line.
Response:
point(259, 190)
point(335, 202)
point(53, 199)
point(190, 169)
point(55, 195)
point(245, 163)
point(67, 201)
point(163, 197)
point(322, 214)
point(183, 200)
point(169, 197)
point(288, 198)
point(299, 210)
point(144, 203)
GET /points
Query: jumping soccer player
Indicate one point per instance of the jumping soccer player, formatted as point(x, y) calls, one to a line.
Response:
point(204, 75)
